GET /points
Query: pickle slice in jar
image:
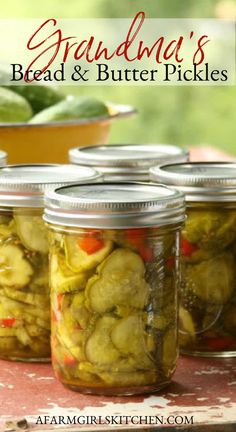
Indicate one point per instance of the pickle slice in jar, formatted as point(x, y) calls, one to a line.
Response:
point(212, 280)
point(15, 270)
point(186, 322)
point(122, 260)
point(5, 219)
point(136, 378)
point(74, 345)
point(8, 344)
point(85, 253)
point(63, 283)
point(32, 232)
point(6, 227)
point(79, 311)
point(27, 297)
point(18, 310)
point(212, 230)
point(100, 349)
point(8, 331)
point(169, 350)
point(120, 282)
point(23, 336)
point(187, 331)
point(36, 331)
point(129, 337)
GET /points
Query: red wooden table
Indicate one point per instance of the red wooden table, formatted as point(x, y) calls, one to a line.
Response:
point(203, 393)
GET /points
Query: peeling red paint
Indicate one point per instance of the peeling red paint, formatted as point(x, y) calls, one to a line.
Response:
point(30, 389)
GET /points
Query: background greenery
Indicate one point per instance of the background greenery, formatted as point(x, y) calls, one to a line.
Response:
point(182, 115)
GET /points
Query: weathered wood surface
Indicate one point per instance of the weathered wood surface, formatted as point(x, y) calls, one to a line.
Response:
point(202, 388)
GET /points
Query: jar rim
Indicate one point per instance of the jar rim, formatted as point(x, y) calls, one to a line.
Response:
point(199, 181)
point(114, 205)
point(126, 157)
point(24, 185)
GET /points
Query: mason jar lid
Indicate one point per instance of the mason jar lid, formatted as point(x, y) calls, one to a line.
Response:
point(25, 185)
point(129, 161)
point(114, 205)
point(200, 181)
point(3, 158)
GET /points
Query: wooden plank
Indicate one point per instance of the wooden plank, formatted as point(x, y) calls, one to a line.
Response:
point(203, 390)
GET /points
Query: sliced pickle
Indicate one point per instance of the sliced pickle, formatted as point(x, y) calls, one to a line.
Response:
point(186, 322)
point(15, 270)
point(41, 347)
point(84, 375)
point(35, 331)
point(63, 283)
point(7, 345)
point(5, 232)
point(32, 232)
point(5, 219)
point(213, 280)
point(23, 336)
point(120, 282)
point(129, 337)
point(120, 374)
point(129, 379)
point(187, 331)
point(122, 260)
point(100, 349)
point(66, 340)
point(79, 311)
point(18, 310)
point(170, 351)
point(40, 279)
point(41, 323)
point(78, 260)
point(27, 297)
point(212, 230)
point(8, 331)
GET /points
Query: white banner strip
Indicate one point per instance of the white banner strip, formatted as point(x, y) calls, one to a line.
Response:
point(136, 51)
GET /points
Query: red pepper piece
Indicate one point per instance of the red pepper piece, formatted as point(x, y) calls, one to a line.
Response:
point(170, 262)
point(55, 317)
point(7, 322)
point(91, 245)
point(59, 301)
point(135, 236)
point(146, 253)
point(187, 248)
point(69, 360)
point(219, 343)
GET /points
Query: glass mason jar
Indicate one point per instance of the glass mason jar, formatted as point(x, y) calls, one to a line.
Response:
point(208, 249)
point(114, 276)
point(127, 162)
point(24, 283)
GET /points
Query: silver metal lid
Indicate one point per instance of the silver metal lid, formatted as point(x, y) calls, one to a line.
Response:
point(25, 185)
point(3, 158)
point(114, 205)
point(200, 181)
point(129, 161)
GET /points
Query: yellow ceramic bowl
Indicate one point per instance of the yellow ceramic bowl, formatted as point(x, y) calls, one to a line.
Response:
point(50, 142)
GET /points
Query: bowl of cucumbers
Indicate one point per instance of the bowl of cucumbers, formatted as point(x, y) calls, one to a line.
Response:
point(39, 123)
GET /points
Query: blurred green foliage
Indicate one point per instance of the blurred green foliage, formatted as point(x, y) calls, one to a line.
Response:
point(183, 115)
